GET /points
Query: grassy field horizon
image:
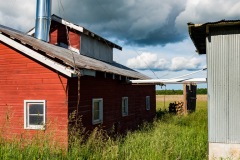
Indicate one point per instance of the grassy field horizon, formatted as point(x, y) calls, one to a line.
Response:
point(178, 97)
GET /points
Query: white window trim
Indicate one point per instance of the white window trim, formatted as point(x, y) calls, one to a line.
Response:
point(124, 113)
point(26, 123)
point(100, 120)
point(148, 103)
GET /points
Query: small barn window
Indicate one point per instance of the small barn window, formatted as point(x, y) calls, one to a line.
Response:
point(124, 106)
point(34, 114)
point(97, 111)
point(147, 102)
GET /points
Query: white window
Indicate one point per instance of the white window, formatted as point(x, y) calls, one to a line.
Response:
point(124, 106)
point(34, 114)
point(147, 102)
point(97, 111)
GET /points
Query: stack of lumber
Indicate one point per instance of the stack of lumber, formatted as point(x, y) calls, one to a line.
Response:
point(176, 107)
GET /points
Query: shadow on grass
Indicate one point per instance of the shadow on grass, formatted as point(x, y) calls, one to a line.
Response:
point(173, 118)
point(161, 113)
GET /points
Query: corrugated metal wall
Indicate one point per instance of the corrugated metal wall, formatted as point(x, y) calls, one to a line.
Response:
point(96, 49)
point(223, 59)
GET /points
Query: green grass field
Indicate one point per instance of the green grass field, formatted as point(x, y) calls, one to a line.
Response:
point(168, 137)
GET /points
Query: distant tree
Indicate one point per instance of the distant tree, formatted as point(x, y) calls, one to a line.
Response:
point(179, 92)
point(202, 91)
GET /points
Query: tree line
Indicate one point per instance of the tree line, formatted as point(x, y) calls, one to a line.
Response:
point(179, 92)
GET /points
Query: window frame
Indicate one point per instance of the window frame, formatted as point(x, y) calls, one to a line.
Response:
point(148, 104)
point(100, 120)
point(26, 115)
point(123, 106)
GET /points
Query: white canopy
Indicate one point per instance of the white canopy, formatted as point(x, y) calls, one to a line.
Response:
point(170, 81)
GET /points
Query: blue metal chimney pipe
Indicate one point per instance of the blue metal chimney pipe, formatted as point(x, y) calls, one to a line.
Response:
point(43, 19)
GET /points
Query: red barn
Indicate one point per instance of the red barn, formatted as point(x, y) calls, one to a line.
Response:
point(42, 83)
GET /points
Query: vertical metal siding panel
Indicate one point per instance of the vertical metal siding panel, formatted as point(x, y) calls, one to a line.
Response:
point(234, 86)
point(106, 52)
point(217, 86)
point(86, 46)
point(96, 49)
point(224, 85)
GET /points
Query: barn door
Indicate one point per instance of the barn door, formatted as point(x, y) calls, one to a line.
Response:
point(191, 90)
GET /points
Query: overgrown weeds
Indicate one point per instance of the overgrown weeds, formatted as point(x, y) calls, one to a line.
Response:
point(168, 137)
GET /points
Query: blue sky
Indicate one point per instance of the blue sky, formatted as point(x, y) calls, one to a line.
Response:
point(153, 33)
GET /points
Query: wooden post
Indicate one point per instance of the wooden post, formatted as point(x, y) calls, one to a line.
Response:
point(189, 98)
point(185, 99)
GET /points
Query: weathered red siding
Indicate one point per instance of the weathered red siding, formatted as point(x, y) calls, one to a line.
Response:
point(112, 92)
point(53, 37)
point(59, 35)
point(24, 79)
point(74, 39)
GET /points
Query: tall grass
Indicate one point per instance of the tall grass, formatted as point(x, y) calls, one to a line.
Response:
point(22, 149)
point(168, 137)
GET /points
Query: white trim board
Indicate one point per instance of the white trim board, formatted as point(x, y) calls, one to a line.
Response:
point(61, 21)
point(69, 24)
point(35, 55)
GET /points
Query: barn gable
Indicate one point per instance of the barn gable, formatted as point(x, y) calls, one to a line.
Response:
point(74, 82)
point(23, 81)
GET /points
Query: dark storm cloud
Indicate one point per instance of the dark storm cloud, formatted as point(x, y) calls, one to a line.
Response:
point(137, 22)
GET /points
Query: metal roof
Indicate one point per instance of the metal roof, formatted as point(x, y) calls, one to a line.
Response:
point(65, 56)
point(199, 32)
point(79, 29)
